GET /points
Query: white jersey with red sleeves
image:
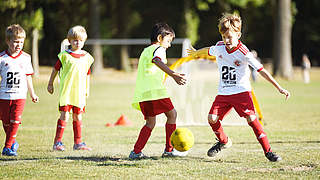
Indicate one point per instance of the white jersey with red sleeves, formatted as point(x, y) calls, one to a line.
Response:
point(13, 72)
point(233, 67)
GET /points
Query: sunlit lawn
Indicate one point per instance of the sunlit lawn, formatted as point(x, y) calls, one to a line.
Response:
point(293, 128)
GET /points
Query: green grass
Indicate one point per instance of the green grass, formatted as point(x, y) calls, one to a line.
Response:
point(293, 129)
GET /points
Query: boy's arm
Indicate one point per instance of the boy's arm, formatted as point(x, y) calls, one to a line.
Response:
point(264, 73)
point(176, 76)
point(33, 95)
point(51, 80)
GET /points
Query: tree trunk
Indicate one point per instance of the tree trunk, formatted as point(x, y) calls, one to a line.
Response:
point(94, 32)
point(122, 28)
point(35, 53)
point(282, 61)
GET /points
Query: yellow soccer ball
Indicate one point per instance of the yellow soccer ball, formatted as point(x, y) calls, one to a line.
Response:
point(182, 139)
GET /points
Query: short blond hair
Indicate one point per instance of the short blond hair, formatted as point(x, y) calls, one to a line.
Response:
point(15, 31)
point(77, 32)
point(230, 22)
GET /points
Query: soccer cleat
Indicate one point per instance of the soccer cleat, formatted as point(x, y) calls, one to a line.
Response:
point(58, 146)
point(273, 157)
point(215, 149)
point(81, 146)
point(8, 152)
point(134, 156)
point(15, 146)
point(174, 153)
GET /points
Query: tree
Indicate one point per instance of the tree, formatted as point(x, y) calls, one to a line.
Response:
point(282, 60)
point(37, 24)
point(94, 32)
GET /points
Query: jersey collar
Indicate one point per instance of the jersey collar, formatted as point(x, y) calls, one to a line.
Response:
point(13, 57)
point(234, 49)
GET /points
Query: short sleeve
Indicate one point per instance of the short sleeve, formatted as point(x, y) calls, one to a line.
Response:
point(211, 51)
point(253, 62)
point(58, 65)
point(29, 68)
point(160, 53)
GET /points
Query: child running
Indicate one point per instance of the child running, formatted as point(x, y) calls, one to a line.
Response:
point(15, 71)
point(73, 66)
point(151, 96)
point(234, 91)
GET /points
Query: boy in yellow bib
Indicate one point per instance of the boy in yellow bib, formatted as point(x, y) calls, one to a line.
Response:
point(73, 66)
point(151, 96)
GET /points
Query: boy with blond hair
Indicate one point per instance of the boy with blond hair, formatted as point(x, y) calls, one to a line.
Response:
point(73, 66)
point(15, 71)
point(234, 91)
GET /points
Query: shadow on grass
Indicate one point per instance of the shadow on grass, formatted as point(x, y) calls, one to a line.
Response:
point(273, 142)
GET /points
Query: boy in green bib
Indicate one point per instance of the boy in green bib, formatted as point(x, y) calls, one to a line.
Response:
point(151, 96)
point(73, 66)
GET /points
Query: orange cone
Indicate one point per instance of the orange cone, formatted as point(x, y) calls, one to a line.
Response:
point(109, 125)
point(123, 121)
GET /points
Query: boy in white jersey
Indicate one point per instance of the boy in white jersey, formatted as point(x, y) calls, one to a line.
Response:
point(15, 71)
point(73, 66)
point(234, 90)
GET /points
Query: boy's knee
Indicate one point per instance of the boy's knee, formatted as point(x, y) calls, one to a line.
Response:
point(251, 118)
point(212, 118)
point(171, 115)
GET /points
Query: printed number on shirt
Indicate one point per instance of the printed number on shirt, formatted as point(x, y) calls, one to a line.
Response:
point(13, 79)
point(229, 75)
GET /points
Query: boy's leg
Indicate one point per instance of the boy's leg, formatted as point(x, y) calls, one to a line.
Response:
point(218, 110)
point(218, 131)
point(258, 131)
point(170, 128)
point(16, 110)
point(5, 114)
point(61, 124)
point(144, 134)
point(77, 127)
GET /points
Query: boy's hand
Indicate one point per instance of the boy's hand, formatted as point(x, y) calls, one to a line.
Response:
point(50, 88)
point(179, 78)
point(285, 92)
point(35, 98)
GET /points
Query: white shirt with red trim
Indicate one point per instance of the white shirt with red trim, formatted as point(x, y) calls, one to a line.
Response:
point(233, 68)
point(14, 72)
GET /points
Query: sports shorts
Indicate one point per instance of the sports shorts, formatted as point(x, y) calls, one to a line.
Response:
point(11, 110)
point(155, 107)
point(75, 109)
point(241, 102)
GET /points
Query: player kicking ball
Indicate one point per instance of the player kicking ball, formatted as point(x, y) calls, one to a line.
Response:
point(150, 95)
point(233, 59)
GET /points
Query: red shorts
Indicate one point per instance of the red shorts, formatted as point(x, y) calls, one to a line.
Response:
point(75, 109)
point(241, 102)
point(11, 110)
point(155, 107)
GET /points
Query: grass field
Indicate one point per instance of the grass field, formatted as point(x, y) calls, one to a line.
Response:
point(293, 129)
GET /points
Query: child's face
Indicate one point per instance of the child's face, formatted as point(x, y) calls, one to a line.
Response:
point(166, 41)
point(76, 44)
point(15, 45)
point(231, 39)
